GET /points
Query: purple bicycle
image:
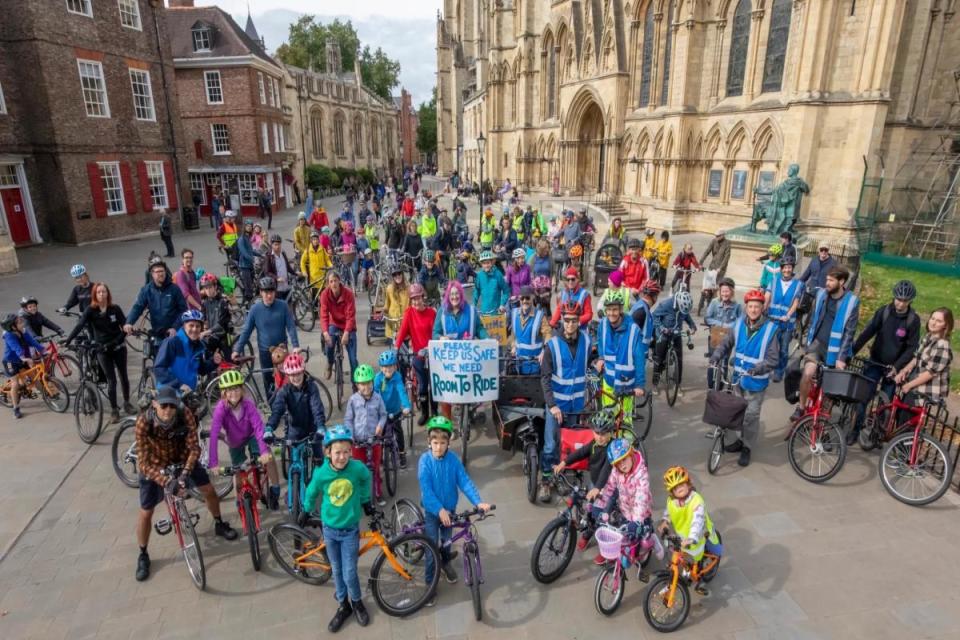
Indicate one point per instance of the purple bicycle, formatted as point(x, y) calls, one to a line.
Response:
point(467, 536)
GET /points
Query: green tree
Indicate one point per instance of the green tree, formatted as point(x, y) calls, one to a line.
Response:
point(427, 126)
point(379, 73)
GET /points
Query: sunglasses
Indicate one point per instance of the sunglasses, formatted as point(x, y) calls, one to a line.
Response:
point(525, 298)
point(168, 406)
point(571, 320)
point(824, 250)
point(571, 279)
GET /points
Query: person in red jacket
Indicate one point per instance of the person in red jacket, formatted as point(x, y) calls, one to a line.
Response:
point(407, 207)
point(338, 320)
point(686, 264)
point(634, 268)
point(573, 292)
point(318, 218)
point(417, 326)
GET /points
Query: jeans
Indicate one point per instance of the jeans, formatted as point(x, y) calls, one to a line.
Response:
point(343, 547)
point(751, 418)
point(784, 336)
point(168, 243)
point(551, 444)
point(423, 380)
point(246, 283)
point(438, 534)
point(888, 386)
point(335, 334)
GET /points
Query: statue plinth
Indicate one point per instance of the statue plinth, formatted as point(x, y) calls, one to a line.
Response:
point(746, 249)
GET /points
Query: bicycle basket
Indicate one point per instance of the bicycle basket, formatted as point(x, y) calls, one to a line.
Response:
point(846, 386)
point(724, 409)
point(609, 540)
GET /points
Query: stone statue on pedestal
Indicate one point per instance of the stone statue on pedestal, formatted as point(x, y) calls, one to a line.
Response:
point(781, 209)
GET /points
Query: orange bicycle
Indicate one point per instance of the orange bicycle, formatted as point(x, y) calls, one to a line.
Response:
point(37, 381)
point(667, 601)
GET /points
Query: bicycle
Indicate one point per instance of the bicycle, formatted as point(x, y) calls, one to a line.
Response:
point(667, 601)
point(620, 552)
point(707, 294)
point(251, 488)
point(151, 344)
point(61, 365)
point(553, 550)
point(304, 300)
point(88, 403)
point(338, 380)
point(389, 459)
point(412, 384)
point(681, 280)
point(33, 381)
point(724, 382)
point(184, 523)
point(467, 536)
point(401, 591)
point(296, 461)
point(641, 419)
point(669, 376)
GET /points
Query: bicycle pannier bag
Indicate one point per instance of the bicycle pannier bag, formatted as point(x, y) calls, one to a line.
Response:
point(724, 409)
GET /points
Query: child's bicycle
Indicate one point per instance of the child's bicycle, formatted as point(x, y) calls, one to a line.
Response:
point(251, 489)
point(667, 601)
point(296, 461)
point(467, 536)
point(555, 545)
point(37, 381)
point(620, 552)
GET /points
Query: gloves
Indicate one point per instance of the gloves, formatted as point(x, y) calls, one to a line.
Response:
point(268, 437)
point(368, 509)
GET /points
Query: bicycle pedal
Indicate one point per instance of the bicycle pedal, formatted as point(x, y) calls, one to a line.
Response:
point(163, 527)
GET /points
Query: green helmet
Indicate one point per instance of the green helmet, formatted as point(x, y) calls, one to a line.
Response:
point(440, 422)
point(231, 378)
point(603, 421)
point(613, 296)
point(486, 255)
point(364, 373)
point(775, 249)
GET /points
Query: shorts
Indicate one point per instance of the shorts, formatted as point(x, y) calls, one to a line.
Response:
point(815, 354)
point(151, 493)
point(238, 455)
point(13, 368)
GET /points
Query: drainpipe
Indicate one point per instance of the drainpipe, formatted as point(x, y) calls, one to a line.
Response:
point(157, 5)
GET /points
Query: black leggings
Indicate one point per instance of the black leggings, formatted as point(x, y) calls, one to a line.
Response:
point(660, 354)
point(114, 362)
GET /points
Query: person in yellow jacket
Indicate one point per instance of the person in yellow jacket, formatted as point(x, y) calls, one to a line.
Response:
point(301, 234)
point(664, 253)
point(650, 246)
point(398, 299)
point(315, 261)
point(687, 513)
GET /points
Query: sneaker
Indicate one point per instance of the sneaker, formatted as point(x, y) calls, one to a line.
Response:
point(582, 543)
point(449, 572)
point(432, 601)
point(114, 416)
point(777, 377)
point(852, 436)
point(363, 618)
point(796, 414)
point(224, 530)
point(344, 611)
point(543, 492)
point(744, 459)
point(17, 413)
point(702, 590)
point(403, 459)
point(273, 500)
point(329, 374)
point(734, 447)
point(129, 409)
point(143, 567)
point(599, 560)
point(381, 502)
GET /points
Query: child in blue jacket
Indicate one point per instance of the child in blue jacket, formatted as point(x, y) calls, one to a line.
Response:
point(390, 385)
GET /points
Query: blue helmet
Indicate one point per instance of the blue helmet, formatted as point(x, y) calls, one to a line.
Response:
point(335, 433)
point(77, 270)
point(618, 450)
point(388, 358)
point(192, 315)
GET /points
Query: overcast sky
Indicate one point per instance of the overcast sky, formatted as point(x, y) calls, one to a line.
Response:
point(406, 30)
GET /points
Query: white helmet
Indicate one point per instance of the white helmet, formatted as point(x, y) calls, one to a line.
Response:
point(683, 301)
point(518, 253)
point(77, 270)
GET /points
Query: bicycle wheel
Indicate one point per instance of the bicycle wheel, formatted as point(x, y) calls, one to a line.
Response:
point(190, 546)
point(404, 517)
point(293, 493)
point(222, 485)
point(397, 594)
point(716, 451)
point(672, 373)
point(250, 524)
point(608, 590)
point(55, 394)
point(472, 564)
point(88, 412)
point(643, 416)
point(915, 474)
point(325, 398)
point(391, 463)
point(464, 433)
point(531, 470)
point(67, 369)
point(409, 420)
point(303, 313)
point(712, 573)
point(553, 550)
point(124, 453)
point(661, 617)
point(816, 449)
point(4, 395)
point(290, 544)
point(874, 422)
point(146, 385)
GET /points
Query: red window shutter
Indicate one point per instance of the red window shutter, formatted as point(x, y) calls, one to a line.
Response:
point(145, 197)
point(168, 178)
point(96, 190)
point(128, 195)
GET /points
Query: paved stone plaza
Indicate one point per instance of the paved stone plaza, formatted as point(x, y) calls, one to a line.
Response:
point(844, 560)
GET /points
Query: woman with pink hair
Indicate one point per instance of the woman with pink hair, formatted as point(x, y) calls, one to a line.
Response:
point(457, 320)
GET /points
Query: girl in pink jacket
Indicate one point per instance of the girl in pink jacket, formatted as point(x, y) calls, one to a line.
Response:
point(630, 483)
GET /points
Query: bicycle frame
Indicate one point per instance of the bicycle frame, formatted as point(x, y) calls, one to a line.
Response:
point(683, 569)
point(53, 362)
point(248, 480)
point(915, 422)
point(29, 379)
point(372, 538)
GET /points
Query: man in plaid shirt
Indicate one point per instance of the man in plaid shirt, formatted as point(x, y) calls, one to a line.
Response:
point(166, 434)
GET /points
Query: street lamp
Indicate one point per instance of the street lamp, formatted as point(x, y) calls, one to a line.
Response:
point(481, 145)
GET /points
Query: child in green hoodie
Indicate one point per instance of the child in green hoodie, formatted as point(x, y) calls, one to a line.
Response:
point(343, 485)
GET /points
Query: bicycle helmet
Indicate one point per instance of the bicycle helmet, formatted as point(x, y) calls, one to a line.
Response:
point(395, 269)
point(541, 282)
point(388, 358)
point(603, 422)
point(440, 422)
point(649, 231)
point(416, 290)
point(429, 256)
point(364, 373)
point(486, 256)
point(77, 270)
point(229, 214)
point(775, 250)
point(209, 279)
point(683, 301)
point(727, 282)
point(650, 288)
point(302, 215)
point(576, 251)
point(571, 309)
point(788, 260)
point(230, 378)
point(337, 433)
point(675, 476)
point(754, 295)
point(348, 227)
point(248, 223)
point(314, 234)
point(275, 238)
point(618, 450)
point(9, 322)
point(488, 213)
point(293, 364)
point(517, 253)
point(325, 230)
point(613, 297)
point(191, 315)
point(904, 290)
point(25, 300)
point(268, 283)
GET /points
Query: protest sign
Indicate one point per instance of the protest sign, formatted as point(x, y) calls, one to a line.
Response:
point(464, 371)
point(496, 326)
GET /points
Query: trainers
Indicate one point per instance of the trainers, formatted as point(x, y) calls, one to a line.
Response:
point(363, 618)
point(744, 459)
point(114, 416)
point(224, 530)
point(381, 502)
point(734, 447)
point(599, 560)
point(344, 611)
point(449, 572)
point(432, 601)
point(403, 460)
point(702, 590)
point(796, 414)
point(143, 567)
point(582, 543)
point(273, 499)
point(17, 413)
point(543, 492)
point(852, 437)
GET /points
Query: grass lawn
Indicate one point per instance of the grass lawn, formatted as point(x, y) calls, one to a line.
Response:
point(933, 291)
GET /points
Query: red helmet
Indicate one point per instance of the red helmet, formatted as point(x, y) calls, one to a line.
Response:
point(650, 288)
point(208, 279)
point(417, 290)
point(754, 295)
point(571, 272)
point(571, 309)
point(293, 364)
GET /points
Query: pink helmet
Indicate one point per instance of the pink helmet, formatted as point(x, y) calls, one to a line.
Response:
point(293, 364)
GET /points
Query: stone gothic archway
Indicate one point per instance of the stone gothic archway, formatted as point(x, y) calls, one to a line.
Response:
point(591, 161)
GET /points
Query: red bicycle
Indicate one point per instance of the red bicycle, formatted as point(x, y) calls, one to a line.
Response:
point(405, 358)
point(914, 466)
point(62, 366)
point(183, 522)
point(251, 490)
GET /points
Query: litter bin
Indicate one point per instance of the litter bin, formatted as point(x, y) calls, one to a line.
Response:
point(191, 221)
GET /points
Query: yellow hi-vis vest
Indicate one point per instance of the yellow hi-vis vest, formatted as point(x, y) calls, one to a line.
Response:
point(229, 234)
point(681, 517)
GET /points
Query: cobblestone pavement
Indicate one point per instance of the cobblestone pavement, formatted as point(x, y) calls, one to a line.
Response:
point(844, 560)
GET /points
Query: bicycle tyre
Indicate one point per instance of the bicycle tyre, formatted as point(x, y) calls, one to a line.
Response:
point(390, 465)
point(67, 371)
point(829, 439)
point(192, 554)
point(296, 509)
point(146, 385)
point(409, 420)
point(222, 485)
point(124, 453)
point(380, 576)
point(712, 573)
point(874, 422)
point(896, 456)
point(325, 398)
point(654, 602)
point(88, 412)
point(531, 469)
point(464, 434)
point(277, 539)
point(251, 527)
point(608, 581)
point(643, 417)
point(672, 373)
point(302, 315)
point(471, 563)
point(54, 394)
point(562, 549)
point(338, 379)
point(716, 452)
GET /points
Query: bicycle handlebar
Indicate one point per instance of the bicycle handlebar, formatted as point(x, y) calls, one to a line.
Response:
point(466, 515)
point(238, 468)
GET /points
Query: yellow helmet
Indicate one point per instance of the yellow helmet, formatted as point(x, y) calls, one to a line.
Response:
point(675, 476)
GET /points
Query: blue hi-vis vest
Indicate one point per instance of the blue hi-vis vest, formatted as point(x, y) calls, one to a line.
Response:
point(528, 345)
point(458, 327)
point(619, 369)
point(749, 351)
point(848, 305)
point(569, 379)
point(782, 295)
point(646, 331)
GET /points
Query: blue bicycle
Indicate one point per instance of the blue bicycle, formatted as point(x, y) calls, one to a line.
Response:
point(297, 464)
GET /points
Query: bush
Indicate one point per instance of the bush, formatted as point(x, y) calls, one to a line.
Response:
point(313, 176)
point(365, 176)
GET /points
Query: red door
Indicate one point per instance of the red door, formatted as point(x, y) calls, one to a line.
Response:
point(16, 215)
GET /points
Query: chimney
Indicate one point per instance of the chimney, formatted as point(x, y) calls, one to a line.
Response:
point(180, 3)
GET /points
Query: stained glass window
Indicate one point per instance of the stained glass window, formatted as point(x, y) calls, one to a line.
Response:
point(646, 61)
point(668, 49)
point(739, 42)
point(777, 45)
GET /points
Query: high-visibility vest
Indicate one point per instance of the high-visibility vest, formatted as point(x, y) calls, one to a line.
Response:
point(681, 517)
point(617, 351)
point(454, 326)
point(782, 294)
point(749, 351)
point(569, 379)
point(528, 345)
point(229, 234)
point(848, 305)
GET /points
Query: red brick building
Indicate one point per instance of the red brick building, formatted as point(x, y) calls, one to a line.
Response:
point(88, 126)
point(231, 108)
